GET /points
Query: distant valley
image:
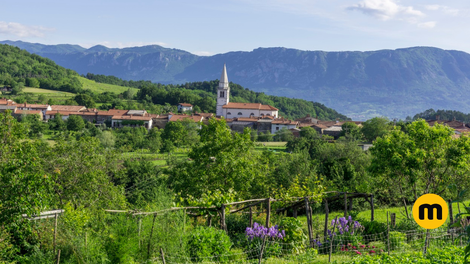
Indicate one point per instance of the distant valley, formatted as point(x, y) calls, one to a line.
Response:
point(393, 83)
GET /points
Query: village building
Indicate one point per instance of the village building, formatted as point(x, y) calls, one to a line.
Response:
point(183, 107)
point(238, 110)
point(281, 123)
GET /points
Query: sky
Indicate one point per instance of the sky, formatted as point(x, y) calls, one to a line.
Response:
point(207, 27)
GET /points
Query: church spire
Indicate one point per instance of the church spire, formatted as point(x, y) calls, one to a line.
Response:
point(223, 92)
point(223, 78)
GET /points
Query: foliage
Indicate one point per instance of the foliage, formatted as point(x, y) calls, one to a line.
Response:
point(463, 221)
point(221, 160)
point(75, 123)
point(351, 131)
point(375, 127)
point(372, 227)
point(18, 67)
point(448, 255)
point(294, 234)
point(85, 99)
point(208, 242)
point(425, 160)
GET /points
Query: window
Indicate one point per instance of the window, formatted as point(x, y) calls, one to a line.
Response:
point(268, 114)
point(240, 113)
point(252, 114)
point(277, 128)
point(222, 94)
point(229, 113)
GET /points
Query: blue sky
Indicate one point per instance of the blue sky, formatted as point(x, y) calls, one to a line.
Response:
point(207, 27)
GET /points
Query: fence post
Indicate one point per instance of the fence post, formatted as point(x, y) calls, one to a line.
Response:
point(388, 236)
point(58, 257)
point(426, 242)
point(309, 222)
point(55, 232)
point(268, 211)
point(371, 207)
point(350, 203)
point(251, 216)
point(262, 249)
point(151, 234)
point(222, 218)
point(209, 220)
point(392, 219)
point(140, 226)
point(326, 218)
point(331, 240)
point(162, 255)
point(345, 204)
point(450, 212)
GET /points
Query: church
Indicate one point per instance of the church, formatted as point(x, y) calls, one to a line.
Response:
point(231, 110)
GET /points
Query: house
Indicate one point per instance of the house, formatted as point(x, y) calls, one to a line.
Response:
point(183, 107)
point(236, 110)
point(68, 108)
point(4, 101)
point(39, 107)
point(132, 121)
point(280, 123)
point(18, 113)
point(4, 108)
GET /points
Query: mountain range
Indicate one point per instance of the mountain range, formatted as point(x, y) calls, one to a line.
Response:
point(393, 83)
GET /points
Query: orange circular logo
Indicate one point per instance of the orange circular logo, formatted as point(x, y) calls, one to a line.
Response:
point(430, 211)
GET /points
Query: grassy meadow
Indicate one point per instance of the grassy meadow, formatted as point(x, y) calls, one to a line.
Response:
point(103, 87)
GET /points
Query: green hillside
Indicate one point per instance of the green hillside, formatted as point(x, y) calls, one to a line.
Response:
point(103, 87)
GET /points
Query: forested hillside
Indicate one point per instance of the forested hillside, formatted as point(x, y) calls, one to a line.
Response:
point(392, 83)
point(203, 95)
point(19, 68)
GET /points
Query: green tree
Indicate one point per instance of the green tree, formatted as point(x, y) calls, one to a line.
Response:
point(107, 139)
point(220, 161)
point(351, 131)
point(85, 99)
point(75, 123)
point(375, 127)
point(57, 123)
point(283, 135)
point(425, 160)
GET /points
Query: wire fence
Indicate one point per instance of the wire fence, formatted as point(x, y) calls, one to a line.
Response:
point(394, 242)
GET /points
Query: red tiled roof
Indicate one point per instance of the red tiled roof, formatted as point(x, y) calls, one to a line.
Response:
point(249, 106)
point(64, 113)
point(4, 101)
point(31, 112)
point(33, 105)
point(145, 118)
point(185, 104)
point(117, 112)
point(283, 121)
point(71, 108)
point(183, 117)
point(246, 119)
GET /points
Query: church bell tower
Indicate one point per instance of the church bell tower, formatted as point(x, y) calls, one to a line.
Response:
point(223, 92)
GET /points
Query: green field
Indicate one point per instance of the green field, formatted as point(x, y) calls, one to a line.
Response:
point(103, 87)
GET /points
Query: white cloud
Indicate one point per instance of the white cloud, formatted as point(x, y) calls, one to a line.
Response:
point(447, 10)
point(430, 24)
point(387, 9)
point(20, 30)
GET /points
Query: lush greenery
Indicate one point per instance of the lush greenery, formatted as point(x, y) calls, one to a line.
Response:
point(19, 68)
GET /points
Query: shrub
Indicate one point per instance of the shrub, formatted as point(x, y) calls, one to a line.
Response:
point(397, 240)
point(294, 234)
point(373, 227)
point(256, 235)
point(204, 242)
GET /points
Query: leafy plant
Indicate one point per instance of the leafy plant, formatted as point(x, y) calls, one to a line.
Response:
point(260, 237)
point(204, 242)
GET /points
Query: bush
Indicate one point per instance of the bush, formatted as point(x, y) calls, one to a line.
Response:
point(295, 235)
point(397, 240)
point(373, 227)
point(204, 242)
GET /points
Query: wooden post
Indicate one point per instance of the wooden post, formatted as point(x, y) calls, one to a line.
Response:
point(151, 234)
point(345, 204)
point(450, 212)
point(295, 212)
point(309, 222)
point(162, 255)
point(209, 220)
point(326, 218)
point(55, 231)
point(222, 218)
point(350, 204)
point(371, 207)
point(331, 240)
point(388, 236)
point(140, 226)
point(426, 242)
point(268, 211)
point(58, 257)
point(406, 208)
point(392, 219)
point(251, 216)
point(262, 249)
